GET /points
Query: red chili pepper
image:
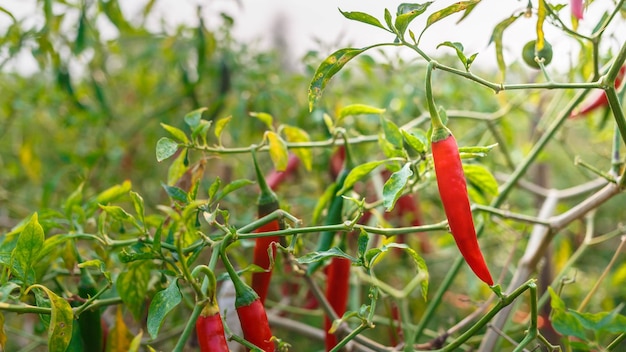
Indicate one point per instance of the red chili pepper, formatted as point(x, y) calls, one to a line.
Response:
point(210, 330)
point(209, 326)
point(599, 100)
point(577, 8)
point(252, 315)
point(276, 178)
point(453, 190)
point(337, 287)
point(266, 204)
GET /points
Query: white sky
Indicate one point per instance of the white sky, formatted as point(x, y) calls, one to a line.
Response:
point(306, 21)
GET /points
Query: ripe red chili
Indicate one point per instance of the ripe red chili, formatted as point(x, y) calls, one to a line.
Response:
point(599, 100)
point(209, 326)
point(453, 190)
point(252, 315)
point(266, 204)
point(276, 178)
point(210, 330)
point(337, 287)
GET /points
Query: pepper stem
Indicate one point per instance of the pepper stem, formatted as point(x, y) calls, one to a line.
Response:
point(349, 163)
point(440, 131)
point(267, 196)
point(245, 295)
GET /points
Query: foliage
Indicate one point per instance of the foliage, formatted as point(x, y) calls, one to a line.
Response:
point(130, 158)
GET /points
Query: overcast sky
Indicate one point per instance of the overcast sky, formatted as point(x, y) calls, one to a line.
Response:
point(304, 22)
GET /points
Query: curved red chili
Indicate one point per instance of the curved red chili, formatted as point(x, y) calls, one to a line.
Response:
point(599, 100)
point(453, 193)
point(453, 189)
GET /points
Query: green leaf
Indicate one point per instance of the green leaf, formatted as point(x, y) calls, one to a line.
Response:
point(388, 21)
point(313, 257)
point(407, 13)
point(231, 187)
point(394, 186)
point(458, 47)
point(177, 133)
point(201, 130)
point(389, 149)
point(562, 321)
point(266, 118)
point(358, 109)
point(132, 286)
point(162, 303)
point(116, 212)
point(165, 148)
point(298, 135)
point(363, 17)
point(450, 10)
point(138, 204)
point(392, 133)
point(73, 200)
point(362, 242)
point(329, 194)
point(192, 119)
point(176, 193)
point(611, 322)
point(51, 243)
point(358, 173)
point(481, 179)
point(416, 139)
point(496, 37)
point(219, 127)
point(6, 289)
point(26, 252)
point(177, 168)
point(327, 69)
point(278, 151)
point(215, 186)
point(114, 193)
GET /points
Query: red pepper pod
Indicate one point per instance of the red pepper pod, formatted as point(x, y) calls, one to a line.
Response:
point(453, 193)
point(266, 204)
point(251, 312)
point(210, 330)
point(255, 326)
point(337, 287)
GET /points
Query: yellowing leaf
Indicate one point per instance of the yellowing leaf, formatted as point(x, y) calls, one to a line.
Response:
point(297, 135)
point(119, 337)
point(278, 151)
point(61, 320)
point(266, 118)
point(219, 127)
